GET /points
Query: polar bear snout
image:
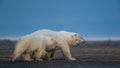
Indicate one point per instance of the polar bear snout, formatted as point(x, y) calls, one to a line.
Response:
point(83, 42)
point(78, 44)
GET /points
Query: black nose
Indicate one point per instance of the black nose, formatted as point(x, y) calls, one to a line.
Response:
point(78, 43)
point(84, 42)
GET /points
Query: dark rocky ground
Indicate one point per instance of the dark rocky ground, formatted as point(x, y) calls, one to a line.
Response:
point(93, 54)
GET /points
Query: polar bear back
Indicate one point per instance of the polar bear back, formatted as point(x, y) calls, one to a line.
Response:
point(44, 32)
point(60, 36)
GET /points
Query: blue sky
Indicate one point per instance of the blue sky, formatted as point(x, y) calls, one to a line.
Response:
point(90, 18)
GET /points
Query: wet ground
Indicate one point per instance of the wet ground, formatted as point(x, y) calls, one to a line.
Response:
point(59, 64)
point(93, 54)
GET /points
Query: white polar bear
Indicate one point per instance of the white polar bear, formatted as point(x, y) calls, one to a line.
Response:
point(31, 43)
point(64, 39)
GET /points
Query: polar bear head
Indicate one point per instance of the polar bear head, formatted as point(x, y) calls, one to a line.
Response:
point(75, 39)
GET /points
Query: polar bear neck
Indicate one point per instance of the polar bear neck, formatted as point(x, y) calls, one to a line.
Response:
point(62, 36)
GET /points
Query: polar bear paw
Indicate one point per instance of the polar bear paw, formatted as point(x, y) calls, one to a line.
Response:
point(72, 59)
point(39, 59)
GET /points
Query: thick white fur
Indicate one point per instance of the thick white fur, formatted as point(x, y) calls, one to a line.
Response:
point(63, 38)
point(32, 43)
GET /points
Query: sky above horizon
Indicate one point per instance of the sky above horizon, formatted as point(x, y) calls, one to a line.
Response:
point(90, 18)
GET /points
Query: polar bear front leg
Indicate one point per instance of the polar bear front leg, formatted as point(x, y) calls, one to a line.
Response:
point(66, 52)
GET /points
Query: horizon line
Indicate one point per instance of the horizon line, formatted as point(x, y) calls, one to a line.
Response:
point(86, 38)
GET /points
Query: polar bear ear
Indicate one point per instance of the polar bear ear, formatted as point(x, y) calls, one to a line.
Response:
point(75, 35)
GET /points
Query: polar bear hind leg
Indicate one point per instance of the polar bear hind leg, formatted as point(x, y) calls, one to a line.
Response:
point(18, 51)
point(27, 56)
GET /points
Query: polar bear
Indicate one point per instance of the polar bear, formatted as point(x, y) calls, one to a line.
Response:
point(64, 39)
point(30, 43)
